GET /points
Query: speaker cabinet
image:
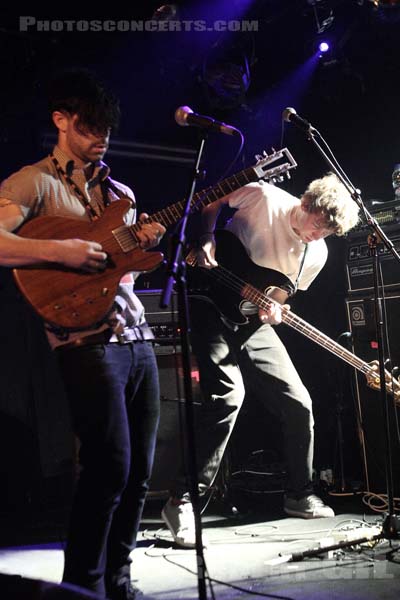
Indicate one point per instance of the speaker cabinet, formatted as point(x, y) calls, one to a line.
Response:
point(369, 404)
point(171, 433)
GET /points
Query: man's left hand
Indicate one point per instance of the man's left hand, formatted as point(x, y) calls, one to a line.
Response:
point(273, 314)
point(149, 234)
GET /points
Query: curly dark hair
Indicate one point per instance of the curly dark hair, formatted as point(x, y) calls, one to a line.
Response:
point(79, 92)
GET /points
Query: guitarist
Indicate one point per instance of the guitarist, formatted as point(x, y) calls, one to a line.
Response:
point(281, 232)
point(110, 373)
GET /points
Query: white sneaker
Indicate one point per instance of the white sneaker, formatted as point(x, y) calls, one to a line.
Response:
point(180, 521)
point(309, 507)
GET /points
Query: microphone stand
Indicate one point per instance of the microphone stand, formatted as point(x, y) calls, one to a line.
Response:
point(176, 273)
point(390, 528)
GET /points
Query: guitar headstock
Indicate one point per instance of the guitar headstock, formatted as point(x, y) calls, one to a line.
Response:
point(282, 160)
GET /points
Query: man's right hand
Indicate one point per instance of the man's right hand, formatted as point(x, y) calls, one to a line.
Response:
point(16, 251)
point(206, 252)
point(80, 254)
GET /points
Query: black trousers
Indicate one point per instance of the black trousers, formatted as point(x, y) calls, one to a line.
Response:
point(226, 360)
point(113, 392)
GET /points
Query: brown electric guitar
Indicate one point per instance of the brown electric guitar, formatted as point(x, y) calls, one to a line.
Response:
point(75, 300)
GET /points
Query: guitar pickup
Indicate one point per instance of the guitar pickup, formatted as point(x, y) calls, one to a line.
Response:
point(125, 238)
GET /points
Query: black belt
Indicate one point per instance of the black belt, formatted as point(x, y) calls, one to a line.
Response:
point(140, 333)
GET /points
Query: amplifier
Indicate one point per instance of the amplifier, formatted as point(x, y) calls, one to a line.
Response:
point(163, 321)
point(359, 262)
point(370, 421)
point(385, 213)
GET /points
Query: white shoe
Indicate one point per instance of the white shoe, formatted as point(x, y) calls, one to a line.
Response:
point(309, 507)
point(180, 521)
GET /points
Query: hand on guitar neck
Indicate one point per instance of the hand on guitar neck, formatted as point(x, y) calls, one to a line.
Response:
point(272, 314)
point(205, 255)
point(148, 234)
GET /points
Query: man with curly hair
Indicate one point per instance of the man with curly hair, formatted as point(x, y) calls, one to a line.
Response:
point(280, 232)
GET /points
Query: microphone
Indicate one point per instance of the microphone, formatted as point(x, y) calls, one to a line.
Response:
point(291, 116)
point(184, 116)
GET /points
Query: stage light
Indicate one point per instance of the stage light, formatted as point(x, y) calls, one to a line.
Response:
point(386, 3)
point(323, 47)
point(388, 11)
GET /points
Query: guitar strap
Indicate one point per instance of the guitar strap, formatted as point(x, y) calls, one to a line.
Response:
point(296, 283)
point(107, 184)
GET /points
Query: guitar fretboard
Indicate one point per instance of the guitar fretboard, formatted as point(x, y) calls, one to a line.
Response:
point(289, 318)
point(126, 235)
point(260, 299)
point(170, 215)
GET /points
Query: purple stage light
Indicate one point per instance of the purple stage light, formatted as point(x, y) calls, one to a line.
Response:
point(323, 47)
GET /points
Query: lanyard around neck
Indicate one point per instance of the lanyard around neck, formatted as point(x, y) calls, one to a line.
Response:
point(78, 192)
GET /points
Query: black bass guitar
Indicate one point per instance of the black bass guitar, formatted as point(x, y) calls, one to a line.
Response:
point(248, 283)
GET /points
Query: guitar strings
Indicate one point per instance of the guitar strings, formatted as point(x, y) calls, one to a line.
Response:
point(211, 193)
point(237, 284)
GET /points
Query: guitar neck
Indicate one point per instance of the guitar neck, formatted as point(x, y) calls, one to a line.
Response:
point(289, 318)
point(171, 214)
point(126, 235)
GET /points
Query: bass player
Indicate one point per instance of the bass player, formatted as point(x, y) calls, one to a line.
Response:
point(281, 232)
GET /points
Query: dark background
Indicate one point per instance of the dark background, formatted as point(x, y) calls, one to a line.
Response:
point(351, 95)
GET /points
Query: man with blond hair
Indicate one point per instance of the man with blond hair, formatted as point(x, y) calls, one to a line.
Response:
point(284, 233)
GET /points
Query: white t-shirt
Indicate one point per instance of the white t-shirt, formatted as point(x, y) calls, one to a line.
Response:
point(262, 224)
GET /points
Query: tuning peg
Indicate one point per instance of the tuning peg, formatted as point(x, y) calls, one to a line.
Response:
point(258, 157)
point(288, 175)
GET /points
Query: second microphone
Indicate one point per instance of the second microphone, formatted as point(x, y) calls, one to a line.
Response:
point(184, 116)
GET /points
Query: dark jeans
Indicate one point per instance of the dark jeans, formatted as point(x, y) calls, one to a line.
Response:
point(226, 360)
point(113, 392)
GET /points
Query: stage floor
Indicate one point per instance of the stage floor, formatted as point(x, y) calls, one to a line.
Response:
point(247, 555)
